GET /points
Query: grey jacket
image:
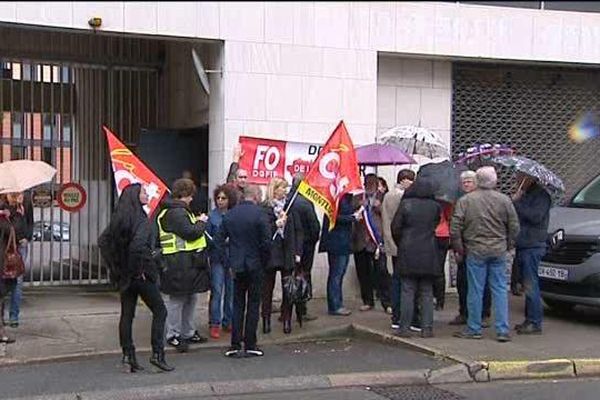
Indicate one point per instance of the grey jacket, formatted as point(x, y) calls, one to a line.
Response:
point(484, 223)
point(391, 201)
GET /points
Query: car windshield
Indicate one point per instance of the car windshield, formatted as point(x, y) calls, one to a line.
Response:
point(589, 196)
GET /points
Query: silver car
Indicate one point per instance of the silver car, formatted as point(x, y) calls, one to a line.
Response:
point(570, 271)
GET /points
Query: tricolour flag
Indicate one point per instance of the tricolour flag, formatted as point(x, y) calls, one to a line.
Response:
point(128, 169)
point(333, 174)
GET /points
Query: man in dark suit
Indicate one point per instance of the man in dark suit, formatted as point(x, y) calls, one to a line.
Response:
point(249, 250)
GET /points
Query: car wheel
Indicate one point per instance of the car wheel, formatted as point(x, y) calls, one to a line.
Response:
point(559, 306)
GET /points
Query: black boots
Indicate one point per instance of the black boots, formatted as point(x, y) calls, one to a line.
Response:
point(266, 325)
point(287, 326)
point(130, 363)
point(158, 360)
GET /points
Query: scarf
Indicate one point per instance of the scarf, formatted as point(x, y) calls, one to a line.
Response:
point(278, 208)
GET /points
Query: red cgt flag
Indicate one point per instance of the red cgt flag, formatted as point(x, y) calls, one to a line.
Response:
point(128, 169)
point(333, 174)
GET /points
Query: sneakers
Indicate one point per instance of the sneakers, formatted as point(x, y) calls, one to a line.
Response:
point(395, 325)
point(233, 352)
point(255, 352)
point(197, 339)
point(467, 335)
point(503, 338)
point(415, 328)
point(215, 332)
point(365, 307)
point(14, 324)
point(344, 312)
point(458, 320)
point(527, 328)
point(178, 343)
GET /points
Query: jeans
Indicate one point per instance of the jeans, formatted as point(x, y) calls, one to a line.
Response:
point(221, 296)
point(493, 271)
point(150, 294)
point(529, 262)
point(16, 294)
point(338, 264)
point(181, 312)
point(372, 275)
point(410, 287)
point(395, 291)
point(247, 292)
point(462, 287)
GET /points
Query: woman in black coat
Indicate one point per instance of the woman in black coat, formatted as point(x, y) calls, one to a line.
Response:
point(129, 247)
point(286, 249)
point(413, 230)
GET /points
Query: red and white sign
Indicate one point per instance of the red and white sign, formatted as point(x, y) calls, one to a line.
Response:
point(72, 197)
point(267, 158)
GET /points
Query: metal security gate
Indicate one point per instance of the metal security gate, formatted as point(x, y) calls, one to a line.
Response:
point(530, 108)
point(57, 90)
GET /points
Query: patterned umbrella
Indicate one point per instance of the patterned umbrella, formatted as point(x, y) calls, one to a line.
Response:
point(416, 140)
point(483, 152)
point(548, 179)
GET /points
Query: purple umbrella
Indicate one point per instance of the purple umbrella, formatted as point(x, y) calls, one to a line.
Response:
point(382, 154)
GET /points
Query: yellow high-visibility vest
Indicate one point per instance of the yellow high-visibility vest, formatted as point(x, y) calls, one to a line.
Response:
point(171, 243)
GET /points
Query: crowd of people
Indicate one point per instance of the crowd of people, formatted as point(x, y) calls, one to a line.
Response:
point(236, 250)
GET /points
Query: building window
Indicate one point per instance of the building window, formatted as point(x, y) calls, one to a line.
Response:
point(29, 72)
point(18, 152)
point(48, 155)
point(66, 125)
point(17, 125)
point(50, 126)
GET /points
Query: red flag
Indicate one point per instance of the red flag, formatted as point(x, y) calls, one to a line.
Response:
point(333, 174)
point(128, 169)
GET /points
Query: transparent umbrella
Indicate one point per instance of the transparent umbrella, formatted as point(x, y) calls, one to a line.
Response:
point(415, 140)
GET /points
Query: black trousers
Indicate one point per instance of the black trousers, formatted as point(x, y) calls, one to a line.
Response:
point(247, 287)
point(372, 274)
point(150, 294)
point(268, 285)
point(439, 284)
point(462, 287)
point(306, 265)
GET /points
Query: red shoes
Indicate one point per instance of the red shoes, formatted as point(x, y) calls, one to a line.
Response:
point(215, 332)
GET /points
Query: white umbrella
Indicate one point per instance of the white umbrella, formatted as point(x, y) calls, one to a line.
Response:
point(415, 140)
point(21, 175)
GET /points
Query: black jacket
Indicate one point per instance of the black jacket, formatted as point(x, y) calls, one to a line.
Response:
point(283, 251)
point(246, 230)
point(305, 210)
point(23, 223)
point(413, 230)
point(185, 272)
point(533, 209)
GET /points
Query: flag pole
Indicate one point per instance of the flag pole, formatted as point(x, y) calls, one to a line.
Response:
point(287, 209)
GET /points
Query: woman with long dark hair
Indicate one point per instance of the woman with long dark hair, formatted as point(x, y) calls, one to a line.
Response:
point(129, 248)
point(221, 293)
point(5, 285)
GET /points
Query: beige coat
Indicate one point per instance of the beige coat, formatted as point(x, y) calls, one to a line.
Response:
point(391, 201)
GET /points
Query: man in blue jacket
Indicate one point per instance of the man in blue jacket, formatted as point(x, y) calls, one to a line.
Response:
point(248, 233)
point(532, 203)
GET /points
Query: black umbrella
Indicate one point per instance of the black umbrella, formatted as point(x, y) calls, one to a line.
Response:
point(445, 177)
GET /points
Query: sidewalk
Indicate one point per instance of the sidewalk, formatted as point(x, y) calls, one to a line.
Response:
point(64, 323)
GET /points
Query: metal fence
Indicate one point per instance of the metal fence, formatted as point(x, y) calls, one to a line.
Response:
point(56, 91)
point(530, 108)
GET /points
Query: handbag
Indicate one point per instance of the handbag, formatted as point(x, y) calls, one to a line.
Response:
point(297, 288)
point(14, 266)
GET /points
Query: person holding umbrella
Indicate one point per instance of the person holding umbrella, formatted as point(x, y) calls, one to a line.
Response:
point(532, 203)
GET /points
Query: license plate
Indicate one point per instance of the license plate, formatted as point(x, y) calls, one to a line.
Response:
point(554, 273)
